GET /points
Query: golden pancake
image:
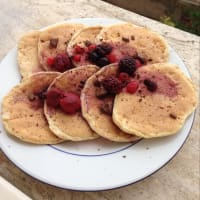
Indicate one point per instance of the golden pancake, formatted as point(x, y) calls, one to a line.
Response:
point(70, 126)
point(99, 121)
point(83, 39)
point(22, 110)
point(164, 99)
point(148, 45)
point(27, 54)
point(54, 41)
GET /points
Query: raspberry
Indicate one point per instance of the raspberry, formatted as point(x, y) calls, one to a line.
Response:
point(77, 58)
point(50, 61)
point(123, 77)
point(112, 84)
point(91, 47)
point(62, 62)
point(112, 58)
point(151, 85)
point(127, 65)
point(70, 103)
point(79, 49)
point(53, 97)
point(132, 87)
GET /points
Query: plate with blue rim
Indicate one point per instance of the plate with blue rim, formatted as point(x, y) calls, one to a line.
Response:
point(91, 165)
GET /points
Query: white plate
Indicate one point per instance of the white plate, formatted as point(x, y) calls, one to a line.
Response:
point(93, 165)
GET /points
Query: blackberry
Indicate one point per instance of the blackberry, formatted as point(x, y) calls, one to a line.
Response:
point(102, 62)
point(127, 65)
point(99, 51)
point(151, 85)
point(97, 55)
point(93, 56)
point(107, 48)
point(112, 84)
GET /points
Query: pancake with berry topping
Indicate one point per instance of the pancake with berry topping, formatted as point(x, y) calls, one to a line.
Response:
point(156, 102)
point(27, 54)
point(52, 46)
point(97, 100)
point(22, 110)
point(81, 43)
point(149, 45)
point(63, 106)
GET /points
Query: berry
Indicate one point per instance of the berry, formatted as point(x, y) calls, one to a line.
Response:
point(62, 62)
point(93, 57)
point(132, 87)
point(77, 58)
point(102, 62)
point(112, 58)
point(100, 51)
point(70, 103)
point(50, 61)
point(53, 97)
point(123, 77)
point(151, 85)
point(79, 49)
point(91, 47)
point(107, 48)
point(112, 84)
point(127, 65)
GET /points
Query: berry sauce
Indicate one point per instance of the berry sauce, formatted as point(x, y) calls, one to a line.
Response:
point(155, 82)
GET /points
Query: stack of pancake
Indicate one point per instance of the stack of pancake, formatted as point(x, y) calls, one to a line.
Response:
point(27, 116)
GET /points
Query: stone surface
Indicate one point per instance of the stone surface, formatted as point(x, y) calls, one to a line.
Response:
point(179, 179)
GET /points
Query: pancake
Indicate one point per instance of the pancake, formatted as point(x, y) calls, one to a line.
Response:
point(149, 45)
point(162, 112)
point(54, 40)
point(83, 38)
point(22, 110)
point(70, 126)
point(99, 121)
point(27, 54)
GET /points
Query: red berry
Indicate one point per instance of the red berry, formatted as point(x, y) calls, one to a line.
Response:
point(112, 58)
point(79, 49)
point(138, 63)
point(91, 47)
point(53, 97)
point(123, 77)
point(62, 62)
point(77, 58)
point(132, 87)
point(70, 103)
point(50, 61)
